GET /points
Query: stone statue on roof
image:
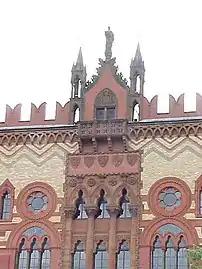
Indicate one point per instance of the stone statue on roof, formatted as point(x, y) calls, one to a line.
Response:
point(109, 41)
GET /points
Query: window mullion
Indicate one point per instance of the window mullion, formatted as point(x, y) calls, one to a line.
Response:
point(29, 258)
point(40, 258)
point(105, 114)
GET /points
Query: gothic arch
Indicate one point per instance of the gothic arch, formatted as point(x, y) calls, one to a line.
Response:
point(74, 195)
point(149, 231)
point(121, 239)
point(15, 235)
point(104, 103)
point(96, 194)
point(130, 194)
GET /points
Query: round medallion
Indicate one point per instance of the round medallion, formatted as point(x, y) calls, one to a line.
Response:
point(169, 198)
point(37, 202)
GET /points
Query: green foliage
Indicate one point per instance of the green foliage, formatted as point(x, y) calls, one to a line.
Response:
point(195, 257)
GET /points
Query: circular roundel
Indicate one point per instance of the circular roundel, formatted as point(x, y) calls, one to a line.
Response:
point(169, 197)
point(37, 200)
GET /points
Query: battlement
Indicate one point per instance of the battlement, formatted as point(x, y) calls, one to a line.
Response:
point(149, 110)
point(37, 115)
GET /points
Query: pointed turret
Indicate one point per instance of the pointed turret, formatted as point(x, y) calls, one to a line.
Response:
point(136, 92)
point(137, 71)
point(78, 79)
point(138, 55)
point(79, 62)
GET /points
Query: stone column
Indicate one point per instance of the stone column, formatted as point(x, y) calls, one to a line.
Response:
point(91, 211)
point(113, 212)
point(67, 234)
point(134, 237)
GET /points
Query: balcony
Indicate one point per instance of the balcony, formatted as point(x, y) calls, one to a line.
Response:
point(102, 129)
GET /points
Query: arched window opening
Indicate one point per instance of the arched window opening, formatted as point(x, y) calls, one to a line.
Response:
point(34, 255)
point(157, 255)
point(45, 254)
point(102, 206)
point(169, 256)
point(182, 261)
point(124, 205)
point(136, 112)
point(22, 256)
point(80, 207)
point(76, 115)
point(105, 105)
point(138, 84)
point(200, 202)
point(79, 256)
point(101, 256)
point(5, 205)
point(123, 256)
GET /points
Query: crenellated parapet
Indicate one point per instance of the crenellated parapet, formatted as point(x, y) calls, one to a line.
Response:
point(176, 108)
point(37, 115)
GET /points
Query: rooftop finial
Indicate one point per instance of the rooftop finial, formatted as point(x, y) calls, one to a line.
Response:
point(109, 41)
point(79, 61)
point(138, 55)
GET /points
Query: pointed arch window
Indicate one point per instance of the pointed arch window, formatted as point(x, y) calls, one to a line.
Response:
point(76, 114)
point(102, 206)
point(105, 105)
point(6, 200)
point(6, 205)
point(123, 256)
point(101, 256)
point(79, 256)
point(80, 207)
point(136, 112)
point(173, 253)
point(124, 205)
point(34, 250)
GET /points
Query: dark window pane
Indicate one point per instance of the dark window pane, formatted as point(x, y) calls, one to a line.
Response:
point(6, 203)
point(100, 113)
point(110, 113)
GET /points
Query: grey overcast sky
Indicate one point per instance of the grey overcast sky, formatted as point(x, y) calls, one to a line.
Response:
point(39, 40)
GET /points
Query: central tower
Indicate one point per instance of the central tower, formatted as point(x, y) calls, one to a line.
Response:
point(101, 211)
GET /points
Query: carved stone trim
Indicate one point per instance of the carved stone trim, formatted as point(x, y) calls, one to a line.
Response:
point(91, 210)
point(117, 160)
point(113, 210)
point(103, 160)
point(89, 161)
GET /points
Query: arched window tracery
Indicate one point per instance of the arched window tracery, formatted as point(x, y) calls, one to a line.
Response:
point(34, 250)
point(80, 207)
point(105, 105)
point(79, 256)
point(124, 205)
point(123, 256)
point(102, 206)
point(101, 256)
point(170, 253)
